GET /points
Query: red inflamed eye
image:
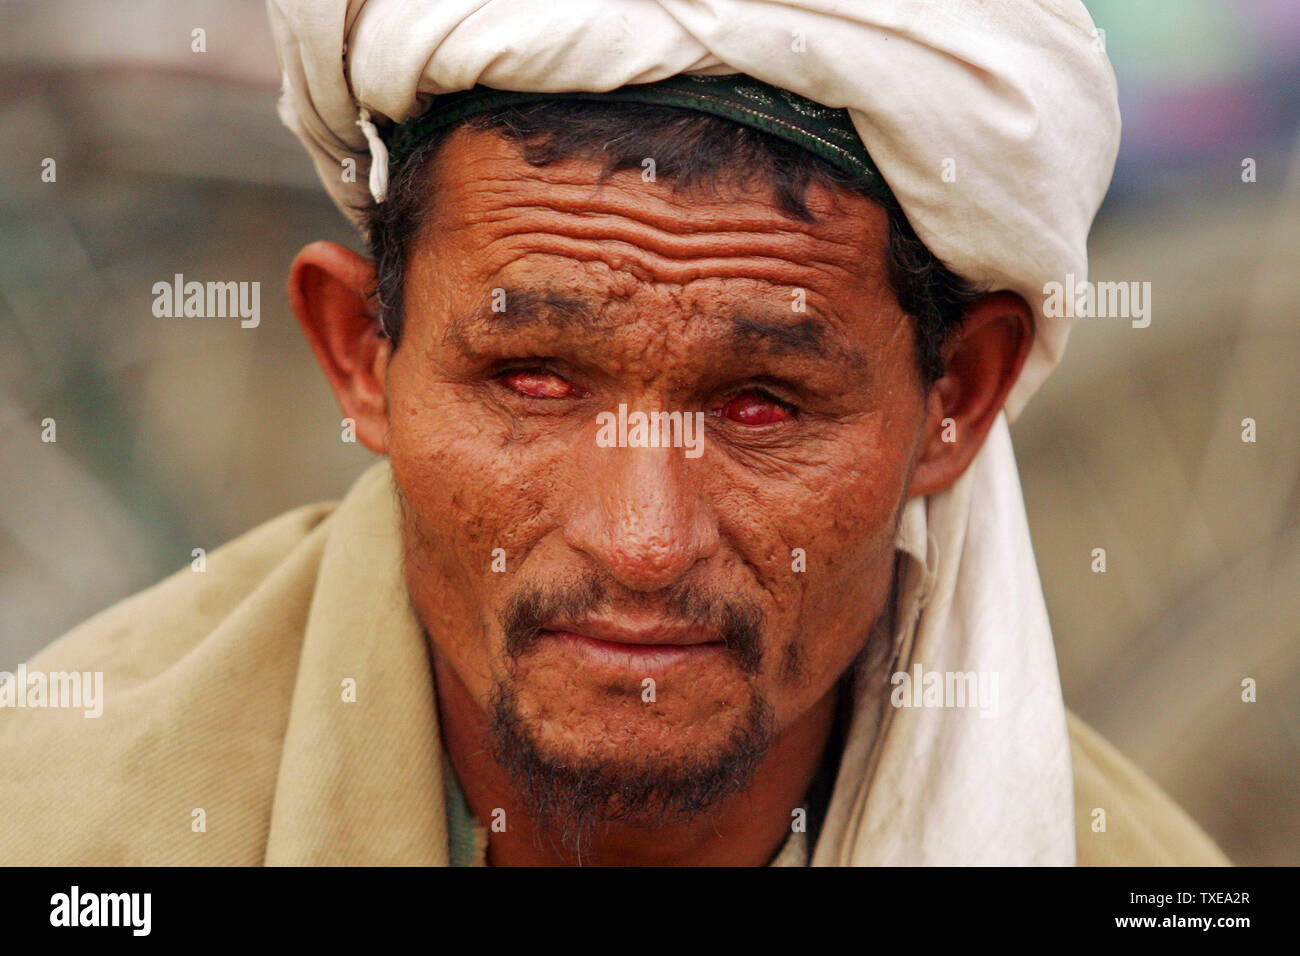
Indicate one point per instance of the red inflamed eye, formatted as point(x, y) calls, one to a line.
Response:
point(754, 408)
point(539, 383)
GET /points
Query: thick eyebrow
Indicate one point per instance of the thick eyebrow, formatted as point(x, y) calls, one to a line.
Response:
point(805, 336)
point(810, 337)
point(524, 306)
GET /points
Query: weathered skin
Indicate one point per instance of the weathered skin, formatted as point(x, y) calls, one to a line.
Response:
point(490, 428)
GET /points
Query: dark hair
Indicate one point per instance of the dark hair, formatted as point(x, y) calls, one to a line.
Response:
point(690, 148)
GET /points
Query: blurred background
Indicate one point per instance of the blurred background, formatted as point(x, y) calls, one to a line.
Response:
point(173, 435)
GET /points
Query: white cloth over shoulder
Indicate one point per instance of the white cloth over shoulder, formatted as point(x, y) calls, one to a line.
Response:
point(996, 125)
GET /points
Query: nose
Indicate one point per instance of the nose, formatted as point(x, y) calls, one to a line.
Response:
point(642, 514)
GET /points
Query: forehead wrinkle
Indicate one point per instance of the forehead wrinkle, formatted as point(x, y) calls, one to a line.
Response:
point(627, 273)
point(681, 256)
point(569, 188)
point(512, 203)
point(644, 228)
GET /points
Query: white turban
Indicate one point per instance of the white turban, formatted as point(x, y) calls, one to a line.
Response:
point(996, 126)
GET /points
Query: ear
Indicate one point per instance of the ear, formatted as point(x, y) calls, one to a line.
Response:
point(329, 289)
point(984, 358)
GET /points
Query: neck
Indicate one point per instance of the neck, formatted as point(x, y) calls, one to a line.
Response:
point(746, 829)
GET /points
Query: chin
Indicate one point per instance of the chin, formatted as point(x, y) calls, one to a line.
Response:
point(585, 755)
point(625, 721)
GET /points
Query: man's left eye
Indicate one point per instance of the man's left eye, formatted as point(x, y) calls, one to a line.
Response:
point(754, 407)
point(539, 383)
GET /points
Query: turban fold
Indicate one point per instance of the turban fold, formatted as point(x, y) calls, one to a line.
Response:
point(995, 126)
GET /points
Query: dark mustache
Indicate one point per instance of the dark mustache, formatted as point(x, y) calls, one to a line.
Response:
point(739, 623)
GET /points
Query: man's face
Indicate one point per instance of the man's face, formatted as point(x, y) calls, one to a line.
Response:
point(646, 610)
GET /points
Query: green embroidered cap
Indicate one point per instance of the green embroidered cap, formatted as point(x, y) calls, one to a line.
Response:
point(822, 130)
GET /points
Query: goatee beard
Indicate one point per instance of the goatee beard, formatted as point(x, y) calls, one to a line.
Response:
point(571, 800)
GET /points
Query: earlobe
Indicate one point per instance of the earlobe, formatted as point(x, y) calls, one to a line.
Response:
point(984, 358)
point(330, 292)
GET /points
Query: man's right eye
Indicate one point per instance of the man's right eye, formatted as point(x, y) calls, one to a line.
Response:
point(539, 383)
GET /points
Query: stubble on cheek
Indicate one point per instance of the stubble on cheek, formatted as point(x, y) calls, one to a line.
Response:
point(835, 511)
point(472, 503)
